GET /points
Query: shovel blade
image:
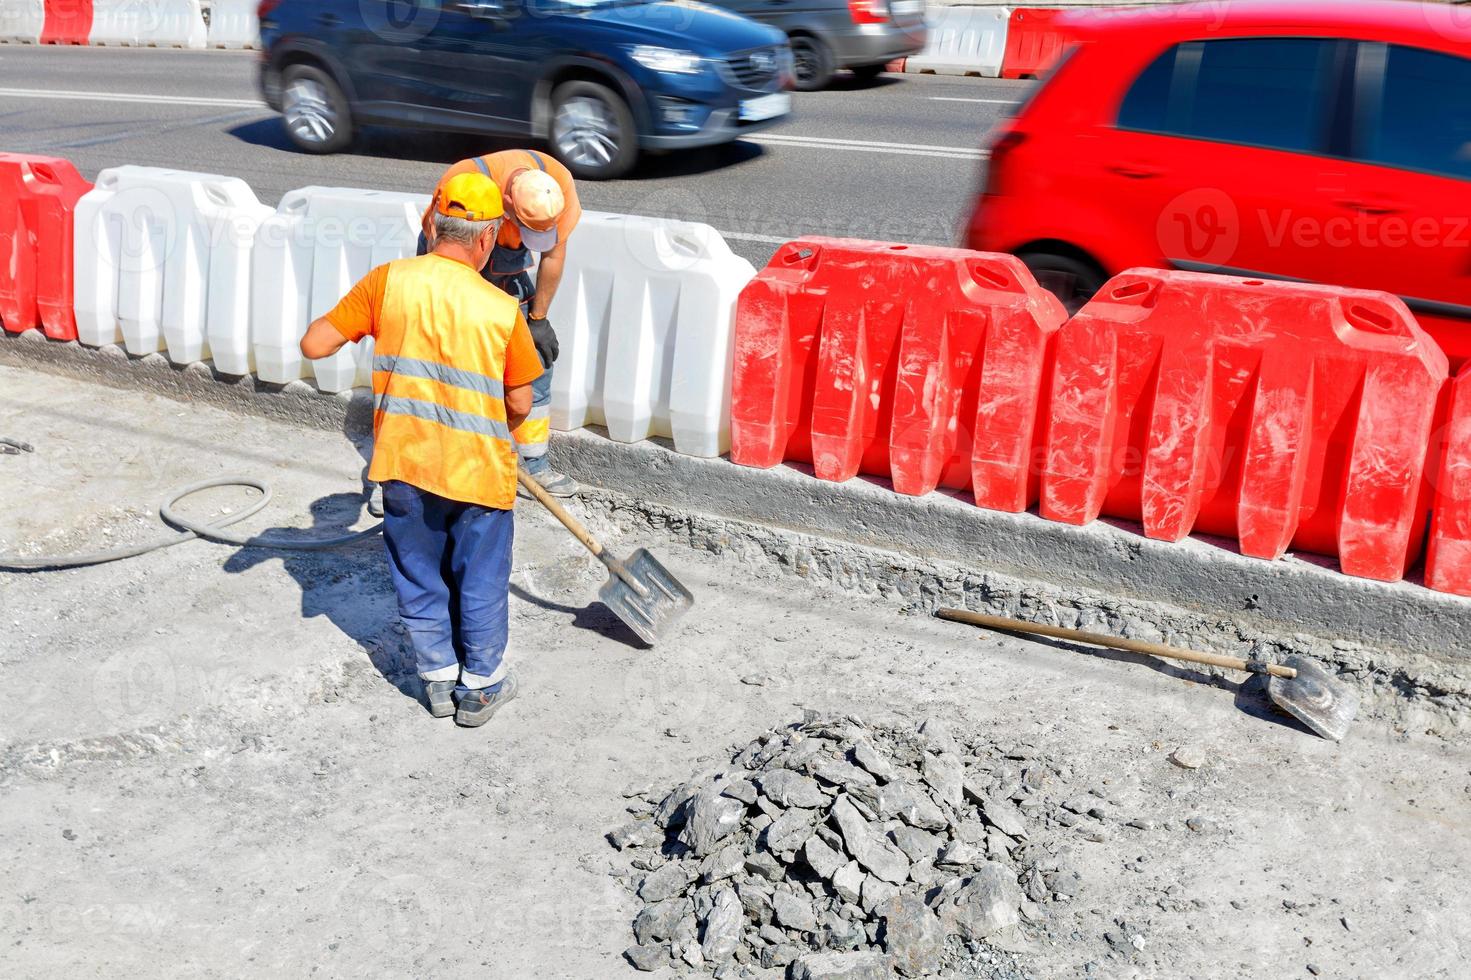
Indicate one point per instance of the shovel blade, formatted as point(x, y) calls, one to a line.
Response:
point(1316, 699)
point(653, 615)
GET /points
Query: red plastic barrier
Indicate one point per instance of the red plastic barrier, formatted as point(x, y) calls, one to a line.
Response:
point(917, 363)
point(1448, 556)
point(67, 22)
point(1033, 43)
point(1274, 413)
point(37, 199)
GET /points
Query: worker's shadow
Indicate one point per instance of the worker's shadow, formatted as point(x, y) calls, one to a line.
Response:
point(349, 585)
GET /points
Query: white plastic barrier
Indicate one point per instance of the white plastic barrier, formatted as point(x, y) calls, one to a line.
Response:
point(233, 24)
point(964, 41)
point(319, 242)
point(232, 248)
point(148, 23)
point(22, 20)
point(144, 241)
point(644, 318)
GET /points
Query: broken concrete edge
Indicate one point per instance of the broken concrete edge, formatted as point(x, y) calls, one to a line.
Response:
point(1400, 640)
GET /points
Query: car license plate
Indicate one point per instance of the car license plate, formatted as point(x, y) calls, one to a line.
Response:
point(904, 8)
point(766, 107)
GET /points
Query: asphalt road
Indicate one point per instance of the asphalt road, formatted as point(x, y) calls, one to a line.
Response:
point(895, 160)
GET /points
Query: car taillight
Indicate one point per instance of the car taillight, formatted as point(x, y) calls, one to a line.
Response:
point(1001, 147)
point(869, 11)
point(266, 6)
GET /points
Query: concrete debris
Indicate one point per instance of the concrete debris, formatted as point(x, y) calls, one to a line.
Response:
point(711, 818)
point(722, 932)
point(987, 902)
point(1189, 757)
point(913, 936)
point(840, 966)
point(837, 849)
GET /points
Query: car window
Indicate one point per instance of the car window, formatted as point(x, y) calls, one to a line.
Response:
point(1419, 119)
point(1271, 92)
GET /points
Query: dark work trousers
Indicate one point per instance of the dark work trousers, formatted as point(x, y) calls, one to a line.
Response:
point(451, 566)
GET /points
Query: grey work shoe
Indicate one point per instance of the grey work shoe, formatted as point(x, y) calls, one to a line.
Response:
point(478, 707)
point(441, 697)
point(554, 483)
point(375, 500)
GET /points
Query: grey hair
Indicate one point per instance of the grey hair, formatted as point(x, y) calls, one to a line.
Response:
point(458, 230)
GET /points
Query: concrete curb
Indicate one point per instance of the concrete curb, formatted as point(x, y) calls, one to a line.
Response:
point(1400, 639)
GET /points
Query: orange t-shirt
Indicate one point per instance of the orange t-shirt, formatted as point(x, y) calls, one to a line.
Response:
point(507, 162)
point(356, 317)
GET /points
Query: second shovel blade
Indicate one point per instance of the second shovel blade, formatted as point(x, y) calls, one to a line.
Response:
point(1316, 699)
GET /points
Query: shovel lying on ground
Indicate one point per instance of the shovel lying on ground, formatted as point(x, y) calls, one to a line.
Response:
point(639, 590)
point(1298, 686)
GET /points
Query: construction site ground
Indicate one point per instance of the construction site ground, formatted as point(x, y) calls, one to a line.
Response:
point(213, 761)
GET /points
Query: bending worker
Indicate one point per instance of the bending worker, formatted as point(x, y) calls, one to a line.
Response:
point(453, 369)
point(541, 211)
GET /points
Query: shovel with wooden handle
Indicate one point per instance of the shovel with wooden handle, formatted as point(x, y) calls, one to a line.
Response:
point(1299, 686)
point(639, 590)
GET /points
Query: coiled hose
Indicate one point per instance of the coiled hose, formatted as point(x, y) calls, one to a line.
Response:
point(190, 530)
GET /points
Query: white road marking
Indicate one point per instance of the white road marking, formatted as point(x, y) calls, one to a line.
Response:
point(769, 139)
point(741, 236)
point(869, 146)
point(952, 98)
point(26, 93)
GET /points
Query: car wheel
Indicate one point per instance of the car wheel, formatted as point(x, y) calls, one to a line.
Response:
point(814, 63)
point(315, 110)
point(1072, 280)
point(593, 131)
point(867, 73)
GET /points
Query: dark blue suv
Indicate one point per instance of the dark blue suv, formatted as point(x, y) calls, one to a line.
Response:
point(598, 80)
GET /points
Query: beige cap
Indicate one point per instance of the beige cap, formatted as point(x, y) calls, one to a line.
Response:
point(536, 202)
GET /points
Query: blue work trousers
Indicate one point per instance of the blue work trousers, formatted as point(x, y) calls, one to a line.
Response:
point(451, 565)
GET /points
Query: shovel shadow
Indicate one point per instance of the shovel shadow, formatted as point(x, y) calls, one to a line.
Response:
point(1249, 697)
point(595, 617)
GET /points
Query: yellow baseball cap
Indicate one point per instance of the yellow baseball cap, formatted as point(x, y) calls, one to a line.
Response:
point(472, 196)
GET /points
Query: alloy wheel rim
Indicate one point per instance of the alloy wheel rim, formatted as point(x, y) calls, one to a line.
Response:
point(585, 131)
point(308, 111)
point(805, 57)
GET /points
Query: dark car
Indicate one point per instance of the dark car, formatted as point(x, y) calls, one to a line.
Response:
point(860, 35)
point(599, 80)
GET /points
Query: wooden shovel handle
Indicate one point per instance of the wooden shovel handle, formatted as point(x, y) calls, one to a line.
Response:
point(581, 533)
point(1115, 642)
point(559, 512)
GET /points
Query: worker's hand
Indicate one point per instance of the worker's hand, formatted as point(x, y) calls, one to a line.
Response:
point(545, 339)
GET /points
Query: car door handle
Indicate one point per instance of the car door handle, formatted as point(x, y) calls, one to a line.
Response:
point(329, 20)
point(1369, 207)
point(1136, 171)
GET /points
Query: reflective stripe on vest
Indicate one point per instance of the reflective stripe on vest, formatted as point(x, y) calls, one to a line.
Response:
point(439, 416)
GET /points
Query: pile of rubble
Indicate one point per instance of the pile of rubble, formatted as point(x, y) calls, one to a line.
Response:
point(838, 849)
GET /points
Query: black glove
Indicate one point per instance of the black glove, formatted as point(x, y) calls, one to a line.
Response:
point(545, 339)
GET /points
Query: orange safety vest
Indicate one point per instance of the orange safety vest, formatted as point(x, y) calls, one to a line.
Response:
point(439, 419)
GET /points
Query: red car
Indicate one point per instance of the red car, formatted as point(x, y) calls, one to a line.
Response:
point(1323, 142)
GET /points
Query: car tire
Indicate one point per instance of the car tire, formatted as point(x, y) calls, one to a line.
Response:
point(814, 63)
point(314, 110)
point(1072, 280)
point(867, 73)
point(593, 131)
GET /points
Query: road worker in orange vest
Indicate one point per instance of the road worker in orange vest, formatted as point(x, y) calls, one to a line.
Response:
point(542, 209)
point(453, 369)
